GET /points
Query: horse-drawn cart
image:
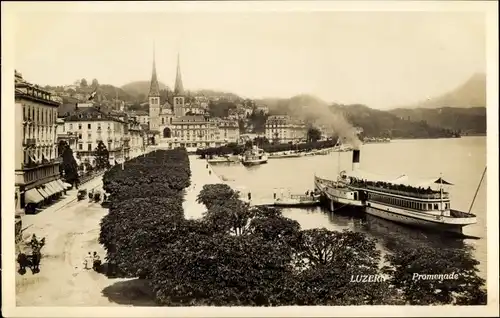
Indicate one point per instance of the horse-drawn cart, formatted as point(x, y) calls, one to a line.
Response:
point(81, 194)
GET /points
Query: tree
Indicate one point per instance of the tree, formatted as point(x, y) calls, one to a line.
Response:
point(215, 194)
point(145, 227)
point(313, 134)
point(83, 83)
point(101, 156)
point(220, 270)
point(95, 83)
point(229, 217)
point(69, 165)
point(61, 146)
point(326, 262)
point(462, 287)
point(220, 109)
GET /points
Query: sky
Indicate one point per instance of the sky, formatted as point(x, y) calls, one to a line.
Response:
point(380, 59)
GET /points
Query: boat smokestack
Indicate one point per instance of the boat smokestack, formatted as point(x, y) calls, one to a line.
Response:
point(355, 159)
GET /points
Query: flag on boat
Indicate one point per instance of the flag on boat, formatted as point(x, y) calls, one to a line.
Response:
point(92, 95)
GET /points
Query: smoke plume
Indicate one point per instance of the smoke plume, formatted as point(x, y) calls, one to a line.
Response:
point(317, 112)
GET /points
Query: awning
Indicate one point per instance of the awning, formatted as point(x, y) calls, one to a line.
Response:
point(32, 196)
point(56, 186)
point(67, 185)
point(43, 192)
point(62, 185)
point(49, 189)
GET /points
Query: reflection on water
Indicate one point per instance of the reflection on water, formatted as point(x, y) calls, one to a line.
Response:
point(389, 235)
point(418, 158)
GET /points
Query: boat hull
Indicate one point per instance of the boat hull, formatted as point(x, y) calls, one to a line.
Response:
point(254, 163)
point(297, 204)
point(285, 156)
point(414, 222)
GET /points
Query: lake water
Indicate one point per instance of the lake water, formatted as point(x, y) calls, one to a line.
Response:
point(461, 161)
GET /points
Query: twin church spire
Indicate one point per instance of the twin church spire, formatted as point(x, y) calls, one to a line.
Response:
point(154, 90)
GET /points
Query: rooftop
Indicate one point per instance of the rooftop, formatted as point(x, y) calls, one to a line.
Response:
point(25, 90)
point(91, 114)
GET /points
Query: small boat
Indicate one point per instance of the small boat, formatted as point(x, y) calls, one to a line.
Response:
point(222, 159)
point(296, 200)
point(254, 156)
point(286, 155)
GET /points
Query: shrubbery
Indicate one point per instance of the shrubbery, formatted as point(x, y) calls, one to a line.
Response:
point(146, 212)
point(238, 255)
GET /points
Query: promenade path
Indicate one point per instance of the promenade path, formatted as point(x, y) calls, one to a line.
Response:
point(201, 174)
point(71, 230)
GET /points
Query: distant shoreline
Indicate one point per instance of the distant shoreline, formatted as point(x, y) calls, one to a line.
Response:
point(474, 135)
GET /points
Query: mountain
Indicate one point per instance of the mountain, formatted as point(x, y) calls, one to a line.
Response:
point(467, 120)
point(140, 87)
point(375, 123)
point(470, 94)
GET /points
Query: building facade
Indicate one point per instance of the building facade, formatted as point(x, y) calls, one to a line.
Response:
point(90, 126)
point(37, 174)
point(137, 143)
point(229, 130)
point(192, 132)
point(284, 129)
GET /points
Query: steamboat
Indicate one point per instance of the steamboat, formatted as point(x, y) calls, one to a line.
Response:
point(414, 203)
point(254, 156)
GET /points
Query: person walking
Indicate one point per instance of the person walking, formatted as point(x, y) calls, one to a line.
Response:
point(96, 262)
point(87, 261)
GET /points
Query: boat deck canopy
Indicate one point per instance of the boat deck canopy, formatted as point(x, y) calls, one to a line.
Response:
point(373, 177)
point(401, 180)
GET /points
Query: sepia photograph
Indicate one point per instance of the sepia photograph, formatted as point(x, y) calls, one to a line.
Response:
point(249, 159)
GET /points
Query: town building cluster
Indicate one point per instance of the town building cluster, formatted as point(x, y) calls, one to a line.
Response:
point(40, 130)
point(42, 124)
point(178, 123)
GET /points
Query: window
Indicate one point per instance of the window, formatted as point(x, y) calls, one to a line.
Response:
point(80, 146)
point(79, 126)
point(89, 126)
point(70, 126)
point(89, 147)
point(436, 207)
point(99, 126)
point(79, 136)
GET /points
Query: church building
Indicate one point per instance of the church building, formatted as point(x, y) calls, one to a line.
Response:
point(171, 124)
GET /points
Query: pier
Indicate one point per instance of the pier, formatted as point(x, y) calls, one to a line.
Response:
point(202, 173)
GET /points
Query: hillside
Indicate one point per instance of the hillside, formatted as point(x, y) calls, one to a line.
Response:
point(470, 94)
point(140, 87)
point(466, 120)
point(341, 118)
